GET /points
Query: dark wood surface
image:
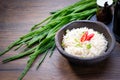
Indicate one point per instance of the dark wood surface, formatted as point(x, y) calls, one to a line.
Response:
point(16, 19)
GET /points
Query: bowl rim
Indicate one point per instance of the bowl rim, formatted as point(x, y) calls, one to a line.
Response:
point(63, 52)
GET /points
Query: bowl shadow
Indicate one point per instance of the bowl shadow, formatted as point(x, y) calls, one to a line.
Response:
point(89, 72)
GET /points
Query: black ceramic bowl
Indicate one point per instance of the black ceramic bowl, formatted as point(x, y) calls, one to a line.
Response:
point(97, 26)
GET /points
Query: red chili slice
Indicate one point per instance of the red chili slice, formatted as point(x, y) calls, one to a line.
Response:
point(90, 36)
point(84, 36)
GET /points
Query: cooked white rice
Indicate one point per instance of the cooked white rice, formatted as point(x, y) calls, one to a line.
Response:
point(72, 44)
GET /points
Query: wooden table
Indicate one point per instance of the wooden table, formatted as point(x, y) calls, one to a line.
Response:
point(16, 19)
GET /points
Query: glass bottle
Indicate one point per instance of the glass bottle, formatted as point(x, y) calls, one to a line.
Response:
point(104, 14)
point(116, 23)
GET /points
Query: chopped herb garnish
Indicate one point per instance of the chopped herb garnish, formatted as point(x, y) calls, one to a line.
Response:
point(67, 31)
point(63, 45)
point(88, 46)
point(77, 40)
point(78, 45)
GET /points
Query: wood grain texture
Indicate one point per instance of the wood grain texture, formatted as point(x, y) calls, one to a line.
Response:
point(16, 19)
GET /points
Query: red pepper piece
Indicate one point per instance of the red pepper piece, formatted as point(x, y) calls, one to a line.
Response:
point(84, 36)
point(90, 36)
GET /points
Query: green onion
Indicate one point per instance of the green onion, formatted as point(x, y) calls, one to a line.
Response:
point(88, 46)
